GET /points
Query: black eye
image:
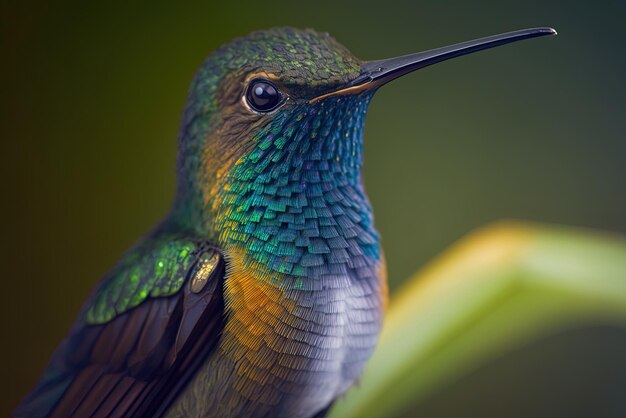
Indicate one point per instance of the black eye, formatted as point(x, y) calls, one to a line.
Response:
point(262, 96)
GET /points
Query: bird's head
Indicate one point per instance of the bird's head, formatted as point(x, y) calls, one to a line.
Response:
point(278, 116)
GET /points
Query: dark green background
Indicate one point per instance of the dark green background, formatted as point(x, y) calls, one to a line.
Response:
point(91, 101)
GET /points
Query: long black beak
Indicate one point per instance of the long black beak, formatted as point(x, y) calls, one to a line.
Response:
point(376, 73)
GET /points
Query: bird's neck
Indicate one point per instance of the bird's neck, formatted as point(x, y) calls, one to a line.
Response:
point(310, 220)
point(295, 203)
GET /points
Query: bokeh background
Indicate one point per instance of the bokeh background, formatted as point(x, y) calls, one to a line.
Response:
point(92, 94)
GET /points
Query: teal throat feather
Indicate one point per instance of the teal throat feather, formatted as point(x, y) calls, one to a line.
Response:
point(296, 203)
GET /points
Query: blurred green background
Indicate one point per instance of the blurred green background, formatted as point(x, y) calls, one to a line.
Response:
point(92, 95)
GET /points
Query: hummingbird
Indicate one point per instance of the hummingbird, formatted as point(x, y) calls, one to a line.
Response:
point(263, 290)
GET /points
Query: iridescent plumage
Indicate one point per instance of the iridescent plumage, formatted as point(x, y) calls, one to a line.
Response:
point(304, 289)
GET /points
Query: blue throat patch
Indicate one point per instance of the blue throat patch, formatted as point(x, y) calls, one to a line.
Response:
point(296, 202)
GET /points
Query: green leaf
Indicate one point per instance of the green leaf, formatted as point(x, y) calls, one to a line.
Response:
point(498, 289)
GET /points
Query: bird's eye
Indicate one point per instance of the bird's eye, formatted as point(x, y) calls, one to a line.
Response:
point(262, 96)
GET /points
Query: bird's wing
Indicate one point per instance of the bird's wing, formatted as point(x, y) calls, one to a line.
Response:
point(148, 327)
